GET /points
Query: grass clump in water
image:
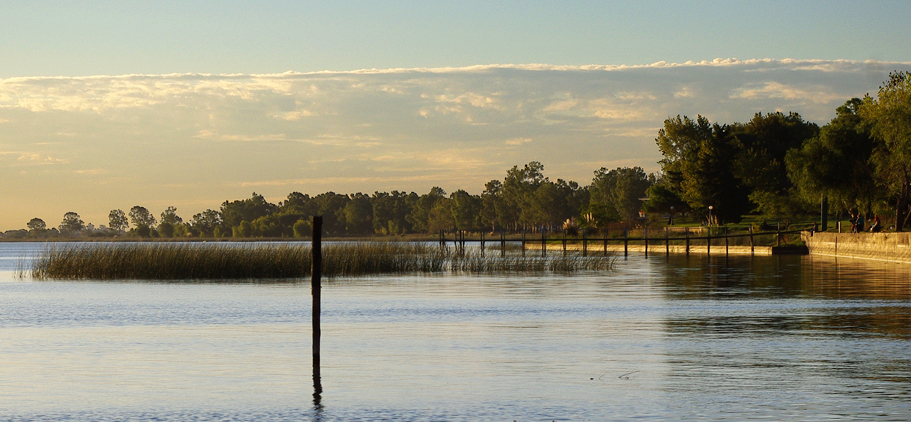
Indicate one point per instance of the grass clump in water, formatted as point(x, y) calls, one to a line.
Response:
point(205, 261)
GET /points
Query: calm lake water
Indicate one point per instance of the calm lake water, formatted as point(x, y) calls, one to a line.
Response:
point(676, 338)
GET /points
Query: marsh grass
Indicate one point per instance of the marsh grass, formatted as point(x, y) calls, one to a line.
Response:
point(206, 261)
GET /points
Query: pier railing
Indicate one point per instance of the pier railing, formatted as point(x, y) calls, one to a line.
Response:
point(648, 240)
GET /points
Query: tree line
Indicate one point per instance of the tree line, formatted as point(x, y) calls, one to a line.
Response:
point(781, 166)
point(525, 199)
point(776, 165)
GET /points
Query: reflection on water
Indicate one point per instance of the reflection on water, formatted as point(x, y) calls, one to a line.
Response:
point(660, 338)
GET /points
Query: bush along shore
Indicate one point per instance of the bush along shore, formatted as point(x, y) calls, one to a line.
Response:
point(195, 261)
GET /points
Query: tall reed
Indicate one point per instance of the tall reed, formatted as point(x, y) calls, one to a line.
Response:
point(202, 261)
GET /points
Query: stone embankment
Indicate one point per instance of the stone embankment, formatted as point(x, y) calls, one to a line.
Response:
point(892, 247)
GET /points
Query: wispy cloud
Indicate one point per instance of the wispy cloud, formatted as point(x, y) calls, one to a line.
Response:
point(777, 90)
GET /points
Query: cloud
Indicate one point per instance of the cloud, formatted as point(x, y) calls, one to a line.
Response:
point(517, 141)
point(26, 158)
point(776, 90)
point(92, 172)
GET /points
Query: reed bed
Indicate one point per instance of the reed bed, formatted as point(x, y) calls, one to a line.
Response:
point(195, 261)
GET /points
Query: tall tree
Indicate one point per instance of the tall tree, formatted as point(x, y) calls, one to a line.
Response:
point(36, 225)
point(206, 222)
point(330, 206)
point(358, 214)
point(465, 209)
point(420, 211)
point(519, 201)
point(249, 209)
point(617, 194)
point(699, 165)
point(762, 145)
point(117, 220)
point(890, 118)
point(72, 223)
point(837, 162)
point(170, 216)
point(492, 204)
point(391, 210)
point(141, 217)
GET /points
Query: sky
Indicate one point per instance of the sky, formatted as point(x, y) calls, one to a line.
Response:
point(107, 105)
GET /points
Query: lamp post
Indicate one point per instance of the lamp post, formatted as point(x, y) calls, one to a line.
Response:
point(710, 214)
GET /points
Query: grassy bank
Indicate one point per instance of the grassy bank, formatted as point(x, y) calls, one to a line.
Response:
point(195, 261)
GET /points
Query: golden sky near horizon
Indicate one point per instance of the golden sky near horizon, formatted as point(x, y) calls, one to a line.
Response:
point(97, 143)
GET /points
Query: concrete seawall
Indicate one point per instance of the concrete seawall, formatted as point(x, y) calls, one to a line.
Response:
point(892, 247)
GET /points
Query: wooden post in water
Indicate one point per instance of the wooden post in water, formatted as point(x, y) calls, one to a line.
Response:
point(316, 272)
point(626, 241)
point(778, 234)
point(584, 244)
point(708, 241)
point(523, 242)
point(564, 242)
point(667, 242)
point(606, 233)
point(543, 242)
point(482, 243)
point(502, 243)
point(686, 232)
point(752, 246)
point(726, 241)
point(646, 242)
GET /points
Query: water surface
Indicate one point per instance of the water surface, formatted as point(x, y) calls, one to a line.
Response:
point(657, 339)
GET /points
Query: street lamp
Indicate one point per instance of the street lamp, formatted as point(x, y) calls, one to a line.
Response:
point(710, 214)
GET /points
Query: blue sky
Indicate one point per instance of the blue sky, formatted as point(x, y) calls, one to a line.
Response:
point(107, 105)
point(79, 38)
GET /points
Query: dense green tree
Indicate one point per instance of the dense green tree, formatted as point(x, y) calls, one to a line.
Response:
point(618, 194)
point(170, 216)
point(36, 225)
point(699, 164)
point(663, 199)
point(266, 226)
point(117, 220)
point(140, 216)
point(72, 223)
point(762, 146)
point(250, 209)
point(519, 202)
point(166, 229)
point(303, 228)
point(391, 211)
point(492, 204)
point(206, 222)
point(679, 141)
point(358, 213)
point(420, 211)
point(836, 163)
point(889, 115)
point(465, 209)
point(242, 230)
point(440, 217)
point(330, 206)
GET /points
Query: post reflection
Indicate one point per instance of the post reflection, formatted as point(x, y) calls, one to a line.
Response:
point(317, 390)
